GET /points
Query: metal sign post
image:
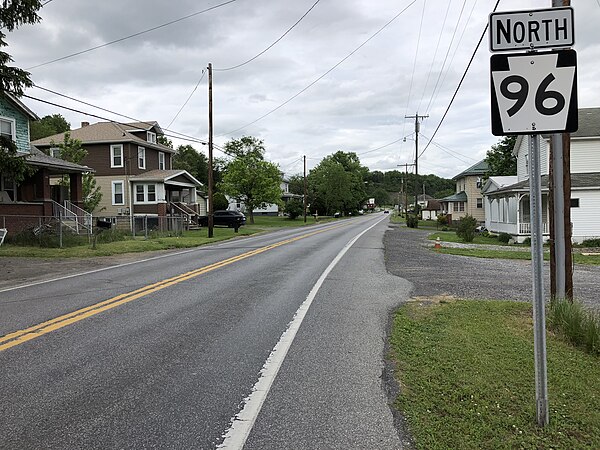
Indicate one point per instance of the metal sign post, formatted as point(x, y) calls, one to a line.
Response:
point(537, 261)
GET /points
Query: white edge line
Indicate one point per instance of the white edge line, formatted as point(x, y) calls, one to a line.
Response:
point(236, 435)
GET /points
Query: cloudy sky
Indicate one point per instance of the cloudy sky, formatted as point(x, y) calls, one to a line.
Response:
point(348, 79)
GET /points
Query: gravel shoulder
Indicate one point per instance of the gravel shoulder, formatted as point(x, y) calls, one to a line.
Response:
point(408, 255)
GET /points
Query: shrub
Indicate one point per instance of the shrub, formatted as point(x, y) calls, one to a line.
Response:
point(442, 219)
point(579, 326)
point(294, 208)
point(412, 221)
point(595, 242)
point(220, 201)
point(466, 228)
point(504, 237)
point(527, 241)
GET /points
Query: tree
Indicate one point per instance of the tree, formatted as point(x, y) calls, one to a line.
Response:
point(12, 15)
point(14, 80)
point(337, 184)
point(165, 141)
point(294, 208)
point(72, 151)
point(296, 184)
point(466, 228)
point(48, 126)
point(196, 163)
point(249, 178)
point(500, 158)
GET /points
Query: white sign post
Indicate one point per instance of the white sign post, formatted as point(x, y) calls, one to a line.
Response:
point(534, 93)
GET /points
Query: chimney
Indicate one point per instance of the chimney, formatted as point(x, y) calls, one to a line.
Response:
point(84, 124)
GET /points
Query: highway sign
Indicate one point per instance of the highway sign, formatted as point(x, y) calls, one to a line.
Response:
point(534, 92)
point(534, 29)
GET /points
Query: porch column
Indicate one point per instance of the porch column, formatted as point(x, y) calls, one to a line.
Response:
point(44, 191)
point(76, 188)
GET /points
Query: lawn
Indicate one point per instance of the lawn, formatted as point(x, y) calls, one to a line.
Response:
point(451, 236)
point(578, 258)
point(466, 376)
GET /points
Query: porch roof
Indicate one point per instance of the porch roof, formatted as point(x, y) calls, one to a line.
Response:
point(173, 176)
point(458, 197)
point(578, 180)
point(38, 158)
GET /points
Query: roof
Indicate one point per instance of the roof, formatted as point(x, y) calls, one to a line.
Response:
point(105, 132)
point(20, 105)
point(144, 126)
point(432, 205)
point(499, 182)
point(458, 197)
point(165, 176)
point(479, 168)
point(56, 165)
point(589, 123)
point(578, 180)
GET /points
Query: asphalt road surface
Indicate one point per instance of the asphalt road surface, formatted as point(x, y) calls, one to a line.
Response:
point(272, 341)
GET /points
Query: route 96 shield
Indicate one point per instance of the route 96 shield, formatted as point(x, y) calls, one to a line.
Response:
point(534, 92)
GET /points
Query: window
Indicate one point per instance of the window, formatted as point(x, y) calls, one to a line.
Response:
point(55, 152)
point(459, 206)
point(574, 203)
point(116, 155)
point(141, 158)
point(7, 186)
point(151, 137)
point(161, 161)
point(118, 194)
point(145, 193)
point(479, 203)
point(7, 129)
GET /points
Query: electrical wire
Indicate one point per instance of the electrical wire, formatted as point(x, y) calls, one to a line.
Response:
point(447, 149)
point(320, 77)
point(385, 145)
point(460, 82)
point(188, 99)
point(412, 77)
point(106, 44)
point(272, 45)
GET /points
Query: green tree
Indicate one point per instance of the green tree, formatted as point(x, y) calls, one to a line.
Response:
point(48, 126)
point(466, 228)
point(14, 80)
point(196, 163)
point(337, 184)
point(500, 158)
point(248, 177)
point(296, 184)
point(71, 150)
point(164, 141)
point(294, 208)
point(12, 15)
point(219, 201)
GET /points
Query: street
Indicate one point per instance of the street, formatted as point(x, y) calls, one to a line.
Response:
point(167, 352)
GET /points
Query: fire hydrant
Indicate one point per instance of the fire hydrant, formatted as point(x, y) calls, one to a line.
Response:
point(437, 243)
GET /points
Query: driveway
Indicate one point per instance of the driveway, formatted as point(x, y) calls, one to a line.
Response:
point(408, 255)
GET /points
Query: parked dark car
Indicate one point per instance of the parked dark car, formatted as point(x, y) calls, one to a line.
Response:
point(231, 219)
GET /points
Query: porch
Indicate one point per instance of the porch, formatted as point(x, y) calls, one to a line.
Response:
point(510, 213)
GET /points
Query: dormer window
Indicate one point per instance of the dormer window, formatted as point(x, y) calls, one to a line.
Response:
point(55, 152)
point(151, 137)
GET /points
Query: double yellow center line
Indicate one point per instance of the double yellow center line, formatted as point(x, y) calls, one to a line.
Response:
point(35, 331)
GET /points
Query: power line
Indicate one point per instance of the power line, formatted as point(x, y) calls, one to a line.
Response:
point(412, 77)
point(272, 45)
point(322, 76)
point(447, 149)
point(460, 82)
point(188, 99)
point(106, 44)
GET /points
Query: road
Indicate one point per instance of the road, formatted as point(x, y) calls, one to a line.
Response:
point(271, 341)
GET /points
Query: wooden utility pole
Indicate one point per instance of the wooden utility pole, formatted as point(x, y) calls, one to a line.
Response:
point(559, 204)
point(417, 127)
point(304, 197)
point(210, 154)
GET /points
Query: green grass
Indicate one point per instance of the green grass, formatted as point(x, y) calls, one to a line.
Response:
point(467, 379)
point(451, 236)
point(426, 224)
point(130, 245)
point(593, 260)
point(578, 325)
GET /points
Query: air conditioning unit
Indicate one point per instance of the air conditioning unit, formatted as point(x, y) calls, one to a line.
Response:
point(119, 211)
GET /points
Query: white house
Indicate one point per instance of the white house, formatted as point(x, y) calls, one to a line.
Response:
point(270, 209)
point(507, 198)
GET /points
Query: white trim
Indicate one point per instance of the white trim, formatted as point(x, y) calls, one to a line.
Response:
point(141, 157)
point(145, 193)
point(112, 196)
point(151, 137)
point(112, 156)
point(161, 156)
point(13, 129)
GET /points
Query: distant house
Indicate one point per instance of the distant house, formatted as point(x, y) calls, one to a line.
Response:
point(507, 198)
point(468, 198)
point(31, 202)
point(270, 209)
point(133, 171)
point(431, 209)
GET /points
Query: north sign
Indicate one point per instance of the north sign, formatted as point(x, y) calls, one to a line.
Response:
point(530, 30)
point(534, 92)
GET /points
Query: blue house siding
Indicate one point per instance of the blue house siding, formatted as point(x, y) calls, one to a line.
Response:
point(9, 111)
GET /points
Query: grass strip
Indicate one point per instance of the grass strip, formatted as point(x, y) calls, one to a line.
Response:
point(525, 254)
point(451, 236)
point(466, 376)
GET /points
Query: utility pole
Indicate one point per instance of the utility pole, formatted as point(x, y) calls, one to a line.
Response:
point(405, 184)
point(417, 127)
point(304, 199)
point(559, 189)
point(210, 153)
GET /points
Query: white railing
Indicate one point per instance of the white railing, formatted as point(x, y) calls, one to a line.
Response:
point(67, 218)
point(525, 228)
point(84, 218)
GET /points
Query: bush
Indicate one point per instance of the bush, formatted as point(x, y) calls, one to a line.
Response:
point(442, 219)
point(579, 326)
point(504, 237)
point(219, 201)
point(412, 221)
point(466, 228)
point(527, 241)
point(595, 242)
point(294, 208)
